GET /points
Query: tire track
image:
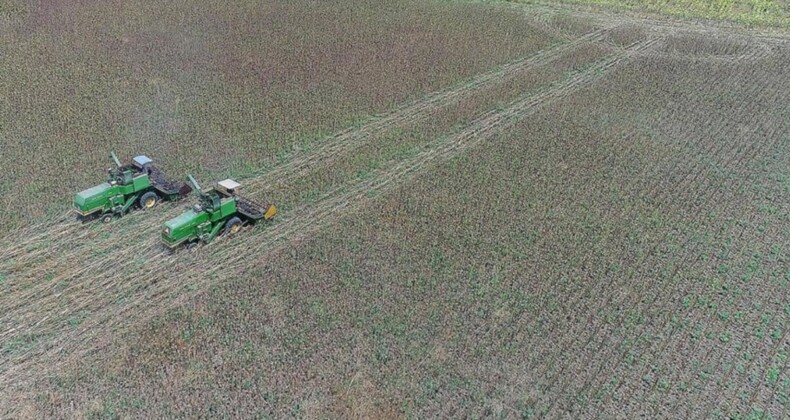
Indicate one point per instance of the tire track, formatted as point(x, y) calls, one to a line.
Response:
point(666, 24)
point(123, 236)
point(126, 235)
point(351, 138)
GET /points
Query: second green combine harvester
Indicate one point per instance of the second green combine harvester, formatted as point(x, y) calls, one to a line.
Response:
point(137, 185)
point(221, 209)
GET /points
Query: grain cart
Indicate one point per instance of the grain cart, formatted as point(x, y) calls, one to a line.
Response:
point(220, 208)
point(137, 185)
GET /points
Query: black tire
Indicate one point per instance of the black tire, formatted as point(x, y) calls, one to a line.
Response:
point(148, 200)
point(106, 218)
point(232, 226)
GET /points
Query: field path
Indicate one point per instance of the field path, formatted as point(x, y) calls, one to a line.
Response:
point(351, 138)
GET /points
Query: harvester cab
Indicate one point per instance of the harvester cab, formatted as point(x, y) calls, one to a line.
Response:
point(209, 199)
point(123, 174)
point(228, 187)
point(119, 177)
point(120, 174)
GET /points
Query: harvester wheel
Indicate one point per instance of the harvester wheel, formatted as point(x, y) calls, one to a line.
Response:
point(148, 200)
point(233, 226)
point(107, 218)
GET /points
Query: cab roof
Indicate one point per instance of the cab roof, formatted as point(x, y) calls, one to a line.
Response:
point(229, 184)
point(141, 160)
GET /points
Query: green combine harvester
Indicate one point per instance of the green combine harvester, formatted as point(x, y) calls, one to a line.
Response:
point(221, 209)
point(137, 185)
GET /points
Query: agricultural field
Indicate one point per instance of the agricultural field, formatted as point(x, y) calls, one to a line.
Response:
point(486, 210)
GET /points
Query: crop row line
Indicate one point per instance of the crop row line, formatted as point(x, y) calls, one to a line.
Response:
point(604, 287)
point(742, 151)
point(668, 196)
point(712, 193)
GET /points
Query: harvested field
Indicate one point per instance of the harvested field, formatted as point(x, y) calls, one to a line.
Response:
point(598, 227)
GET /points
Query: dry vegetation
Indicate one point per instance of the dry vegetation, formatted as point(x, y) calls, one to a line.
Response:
point(598, 226)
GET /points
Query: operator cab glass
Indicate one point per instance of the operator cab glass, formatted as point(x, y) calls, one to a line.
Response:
point(127, 177)
point(215, 203)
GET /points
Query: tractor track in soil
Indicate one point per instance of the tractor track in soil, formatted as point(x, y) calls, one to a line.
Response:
point(91, 265)
point(31, 250)
point(350, 139)
point(64, 228)
point(665, 24)
point(540, 16)
point(289, 229)
point(173, 272)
